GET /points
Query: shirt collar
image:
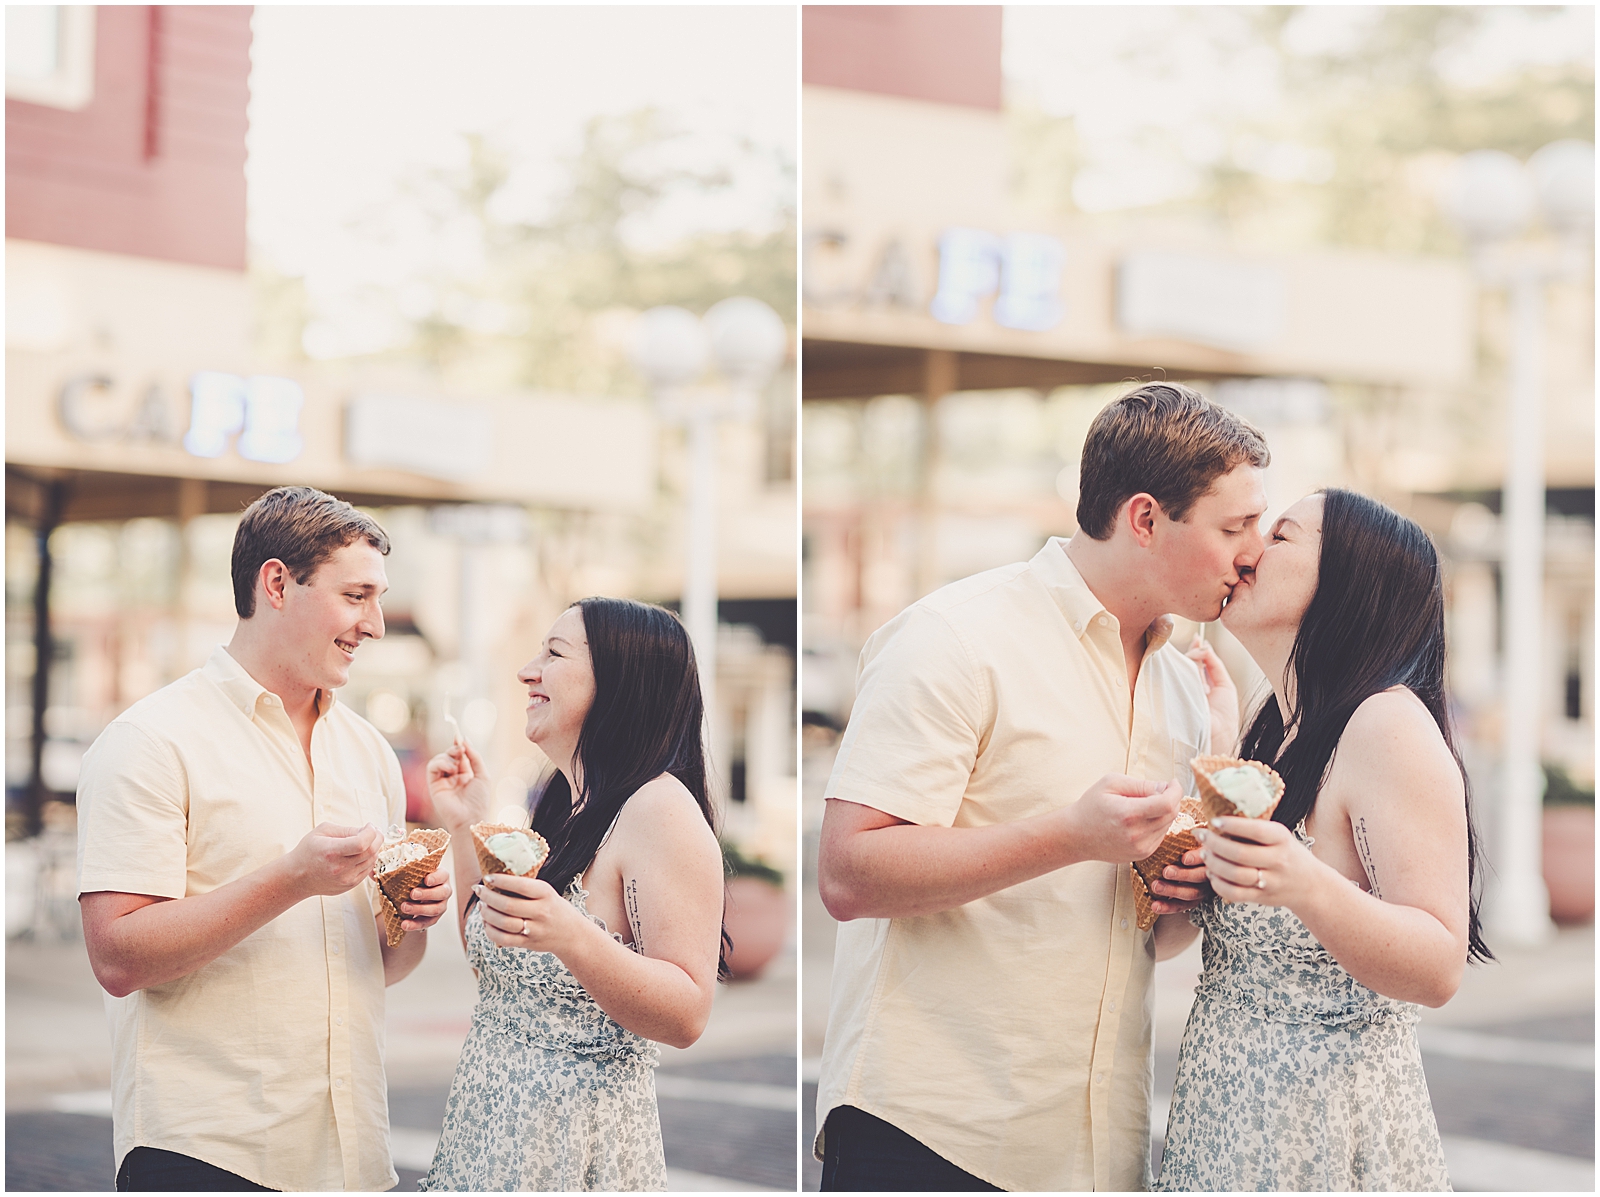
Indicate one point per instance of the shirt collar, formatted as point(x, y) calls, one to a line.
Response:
point(1077, 602)
point(243, 690)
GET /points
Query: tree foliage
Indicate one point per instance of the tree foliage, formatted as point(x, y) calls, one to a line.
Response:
point(1377, 116)
point(512, 301)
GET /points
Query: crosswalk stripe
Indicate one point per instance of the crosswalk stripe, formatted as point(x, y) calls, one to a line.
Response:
point(733, 1093)
point(1497, 1049)
point(1476, 1165)
point(1482, 1167)
point(681, 1180)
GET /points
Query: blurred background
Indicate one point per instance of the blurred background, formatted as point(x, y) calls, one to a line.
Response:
point(401, 254)
point(1366, 229)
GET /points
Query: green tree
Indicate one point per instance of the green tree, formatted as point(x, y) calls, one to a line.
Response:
point(1375, 119)
point(545, 303)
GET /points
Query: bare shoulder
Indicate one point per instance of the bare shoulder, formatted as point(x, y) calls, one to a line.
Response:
point(663, 815)
point(1390, 745)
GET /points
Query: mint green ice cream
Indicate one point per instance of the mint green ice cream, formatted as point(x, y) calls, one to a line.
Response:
point(516, 849)
point(1248, 789)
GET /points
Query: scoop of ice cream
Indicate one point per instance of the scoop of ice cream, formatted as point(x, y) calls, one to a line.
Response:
point(516, 850)
point(1247, 788)
point(513, 816)
point(1183, 822)
point(397, 855)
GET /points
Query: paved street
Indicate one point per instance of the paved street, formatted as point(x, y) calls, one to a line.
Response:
point(727, 1104)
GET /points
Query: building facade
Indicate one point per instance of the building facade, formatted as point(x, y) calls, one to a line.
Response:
point(142, 417)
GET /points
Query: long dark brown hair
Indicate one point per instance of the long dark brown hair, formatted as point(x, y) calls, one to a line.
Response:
point(645, 721)
point(1375, 621)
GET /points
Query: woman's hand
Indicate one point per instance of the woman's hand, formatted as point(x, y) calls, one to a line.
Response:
point(524, 912)
point(1257, 860)
point(427, 904)
point(457, 787)
point(1180, 887)
point(1222, 696)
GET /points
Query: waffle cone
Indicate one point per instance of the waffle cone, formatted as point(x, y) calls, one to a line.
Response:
point(1212, 804)
point(488, 862)
point(1170, 851)
point(396, 887)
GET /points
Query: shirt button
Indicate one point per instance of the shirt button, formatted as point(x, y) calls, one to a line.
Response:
point(1101, 620)
point(338, 1019)
point(1124, 924)
point(335, 948)
point(1113, 1005)
point(1097, 1078)
point(338, 1082)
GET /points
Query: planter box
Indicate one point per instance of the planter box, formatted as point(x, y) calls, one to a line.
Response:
point(757, 918)
point(1569, 862)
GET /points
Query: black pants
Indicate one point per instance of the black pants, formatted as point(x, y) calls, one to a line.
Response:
point(864, 1154)
point(152, 1170)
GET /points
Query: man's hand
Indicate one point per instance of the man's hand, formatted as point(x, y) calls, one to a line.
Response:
point(428, 902)
point(332, 859)
point(1121, 819)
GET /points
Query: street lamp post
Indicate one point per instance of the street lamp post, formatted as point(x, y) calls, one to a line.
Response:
point(1491, 197)
point(670, 347)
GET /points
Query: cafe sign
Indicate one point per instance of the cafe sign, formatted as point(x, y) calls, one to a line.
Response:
point(1015, 277)
point(258, 415)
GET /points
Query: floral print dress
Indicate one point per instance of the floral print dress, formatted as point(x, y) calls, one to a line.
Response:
point(1292, 1074)
point(550, 1094)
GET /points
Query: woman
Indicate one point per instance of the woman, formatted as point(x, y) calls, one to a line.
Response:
point(1299, 1068)
point(554, 1089)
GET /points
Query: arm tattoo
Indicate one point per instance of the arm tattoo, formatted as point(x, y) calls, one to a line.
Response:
point(1364, 850)
point(630, 895)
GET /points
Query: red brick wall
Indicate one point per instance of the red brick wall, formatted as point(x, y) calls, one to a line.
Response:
point(154, 166)
point(948, 54)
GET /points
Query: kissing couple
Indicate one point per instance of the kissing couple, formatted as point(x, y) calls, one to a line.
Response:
point(1020, 736)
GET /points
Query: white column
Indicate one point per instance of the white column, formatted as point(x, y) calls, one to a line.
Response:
point(700, 570)
point(1520, 912)
point(1472, 616)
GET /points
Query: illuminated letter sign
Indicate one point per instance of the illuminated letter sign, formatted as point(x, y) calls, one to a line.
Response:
point(265, 411)
point(969, 271)
point(1025, 268)
point(1030, 283)
point(272, 420)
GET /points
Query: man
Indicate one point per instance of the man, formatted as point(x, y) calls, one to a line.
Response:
point(226, 824)
point(990, 1015)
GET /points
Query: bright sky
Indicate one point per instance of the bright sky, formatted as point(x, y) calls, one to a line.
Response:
point(1142, 83)
point(349, 102)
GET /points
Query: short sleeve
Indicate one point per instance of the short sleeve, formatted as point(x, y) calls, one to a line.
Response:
point(133, 819)
point(918, 720)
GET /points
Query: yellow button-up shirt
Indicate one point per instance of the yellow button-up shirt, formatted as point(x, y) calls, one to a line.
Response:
point(268, 1061)
point(1011, 1034)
